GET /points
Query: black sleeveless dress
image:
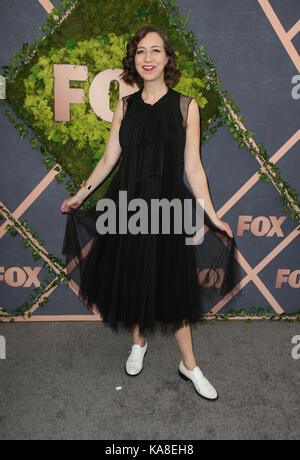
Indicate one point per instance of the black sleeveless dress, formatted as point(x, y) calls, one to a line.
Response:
point(153, 280)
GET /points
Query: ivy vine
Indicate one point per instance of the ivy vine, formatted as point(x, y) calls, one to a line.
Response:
point(56, 268)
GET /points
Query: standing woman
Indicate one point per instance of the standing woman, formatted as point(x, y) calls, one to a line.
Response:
point(148, 281)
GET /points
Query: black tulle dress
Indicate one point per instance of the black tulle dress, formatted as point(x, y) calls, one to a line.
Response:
point(155, 281)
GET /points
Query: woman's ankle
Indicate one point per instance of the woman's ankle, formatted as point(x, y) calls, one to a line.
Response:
point(137, 338)
point(190, 365)
point(139, 341)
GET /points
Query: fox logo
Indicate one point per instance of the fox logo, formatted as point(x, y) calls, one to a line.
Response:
point(214, 278)
point(17, 276)
point(284, 275)
point(261, 225)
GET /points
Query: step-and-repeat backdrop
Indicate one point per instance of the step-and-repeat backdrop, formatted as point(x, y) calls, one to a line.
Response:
point(254, 46)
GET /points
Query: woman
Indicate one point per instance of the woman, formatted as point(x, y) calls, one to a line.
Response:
point(147, 281)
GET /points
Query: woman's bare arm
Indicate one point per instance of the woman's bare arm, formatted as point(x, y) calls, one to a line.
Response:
point(194, 170)
point(193, 167)
point(110, 157)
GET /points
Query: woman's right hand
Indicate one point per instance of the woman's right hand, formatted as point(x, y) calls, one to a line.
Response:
point(71, 204)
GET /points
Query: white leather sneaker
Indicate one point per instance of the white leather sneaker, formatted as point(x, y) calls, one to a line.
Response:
point(134, 363)
point(202, 386)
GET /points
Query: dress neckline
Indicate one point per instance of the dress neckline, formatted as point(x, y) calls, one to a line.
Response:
point(159, 101)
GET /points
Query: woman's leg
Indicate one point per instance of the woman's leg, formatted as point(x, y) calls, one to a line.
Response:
point(137, 338)
point(184, 339)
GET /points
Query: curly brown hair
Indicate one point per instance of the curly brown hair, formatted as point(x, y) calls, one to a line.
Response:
point(130, 75)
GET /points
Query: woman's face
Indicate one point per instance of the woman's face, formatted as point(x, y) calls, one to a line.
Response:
point(150, 57)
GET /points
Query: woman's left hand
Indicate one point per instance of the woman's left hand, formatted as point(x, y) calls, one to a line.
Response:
point(223, 226)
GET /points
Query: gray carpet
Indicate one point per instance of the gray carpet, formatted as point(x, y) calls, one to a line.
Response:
point(59, 382)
